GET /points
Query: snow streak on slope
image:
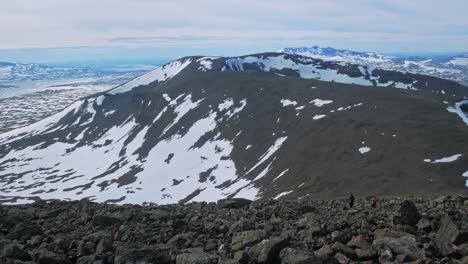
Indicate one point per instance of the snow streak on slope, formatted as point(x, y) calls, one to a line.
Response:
point(160, 74)
point(457, 109)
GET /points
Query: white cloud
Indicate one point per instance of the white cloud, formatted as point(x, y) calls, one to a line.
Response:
point(384, 25)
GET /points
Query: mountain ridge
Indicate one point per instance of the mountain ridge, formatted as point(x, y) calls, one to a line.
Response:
point(192, 132)
point(453, 66)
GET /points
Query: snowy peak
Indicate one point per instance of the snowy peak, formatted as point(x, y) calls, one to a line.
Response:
point(284, 64)
point(160, 74)
point(366, 58)
point(448, 67)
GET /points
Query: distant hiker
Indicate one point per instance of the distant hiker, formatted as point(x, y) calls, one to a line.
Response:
point(374, 201)
point(351, 200)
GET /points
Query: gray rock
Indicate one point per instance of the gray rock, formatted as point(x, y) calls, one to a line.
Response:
point(241, 225)
point(296, 256)
point(400, 243)
point(234, 203)
point(449, 235)
point(268, 250)
point(104, 245)
point(196, 258)
point(341, 248)
point(14, 251)
point(241, 240)
point(43, 256)
point(342, 258)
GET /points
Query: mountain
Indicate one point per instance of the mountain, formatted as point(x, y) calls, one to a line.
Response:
point(204, 128)
point(452, 67)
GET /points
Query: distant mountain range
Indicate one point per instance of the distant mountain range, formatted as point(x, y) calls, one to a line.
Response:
point(269, 125)
point(452, 67)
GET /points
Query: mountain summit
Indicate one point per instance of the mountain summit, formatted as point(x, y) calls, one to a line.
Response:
point(205, 128)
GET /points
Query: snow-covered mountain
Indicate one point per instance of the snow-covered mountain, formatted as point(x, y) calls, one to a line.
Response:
point(452, 67)
point(204, 128)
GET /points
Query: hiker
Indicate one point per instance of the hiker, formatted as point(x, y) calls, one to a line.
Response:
point(351, 200)
point(374, 201)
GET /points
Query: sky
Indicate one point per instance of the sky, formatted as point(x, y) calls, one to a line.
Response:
point(56, 31)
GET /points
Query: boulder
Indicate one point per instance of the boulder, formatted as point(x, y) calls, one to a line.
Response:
point(399, 242)
point(424, 225)
point(234, 203)
point(196, 258)
point(449, 235)
point(342, 259)
point(407, 214)
point(140, 253)
point(359, 241)
point(325, 251)
point(268, 250)
point(44, 256)
point(241, 225)
point(14, 251)
point(241, 240)
point(296, 256)
point(341, 248)
point(366, 253)
point(24, 231)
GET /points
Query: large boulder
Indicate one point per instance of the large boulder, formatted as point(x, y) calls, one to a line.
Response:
point(399, 242)
point(343, 249)
point(196, 258)
point(296, 256)
point(44, 256)
point(24, 231)
point(234, 203)
point(241, 240)
point(449, 235)
point(407, 214)
point(139, 253)
point(14, 251)
point(268, 250)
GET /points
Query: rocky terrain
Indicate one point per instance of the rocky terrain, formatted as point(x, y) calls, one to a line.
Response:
point(397, 230)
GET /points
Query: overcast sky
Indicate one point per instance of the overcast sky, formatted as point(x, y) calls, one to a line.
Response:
point(186, 27)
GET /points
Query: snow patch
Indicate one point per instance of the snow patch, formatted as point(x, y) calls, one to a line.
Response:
point(319, 102)
point(286, 102)
point(364, 150)
point(282, 194)
point(447, 159)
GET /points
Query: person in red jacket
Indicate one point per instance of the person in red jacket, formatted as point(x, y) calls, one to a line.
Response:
point(374, 201)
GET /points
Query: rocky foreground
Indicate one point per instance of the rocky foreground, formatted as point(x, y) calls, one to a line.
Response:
point(418, 230)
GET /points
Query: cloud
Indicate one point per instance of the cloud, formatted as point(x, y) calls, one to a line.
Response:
point(380, 25)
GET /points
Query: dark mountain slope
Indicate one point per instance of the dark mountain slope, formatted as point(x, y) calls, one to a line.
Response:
point(203, 135)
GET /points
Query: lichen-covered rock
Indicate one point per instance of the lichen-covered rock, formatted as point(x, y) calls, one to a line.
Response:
point(241, 240)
